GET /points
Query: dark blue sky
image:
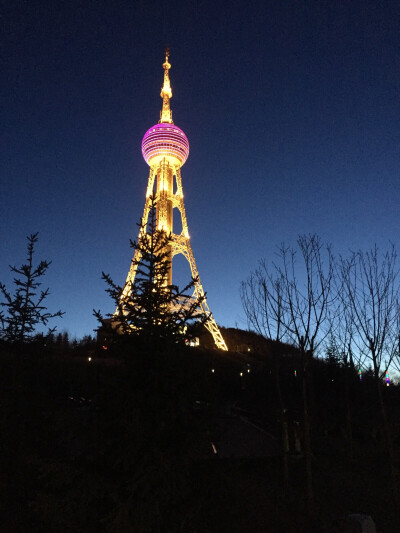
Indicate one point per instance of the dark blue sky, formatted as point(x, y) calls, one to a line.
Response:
point(291, 110)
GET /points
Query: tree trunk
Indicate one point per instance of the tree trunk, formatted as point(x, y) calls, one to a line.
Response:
point(284, 429)
point(307, 435)
point(349, 427)
point(388, 438)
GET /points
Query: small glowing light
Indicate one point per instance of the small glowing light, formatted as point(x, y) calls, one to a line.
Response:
point(213, 370)
point(241, 374)
point(295, 373)
point(360, 374)
point(89, 359)
point(248, 370)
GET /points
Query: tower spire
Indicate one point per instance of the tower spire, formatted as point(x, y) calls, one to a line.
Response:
point(166, 93)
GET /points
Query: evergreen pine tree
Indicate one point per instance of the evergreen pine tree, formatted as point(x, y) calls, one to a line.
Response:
point(333, 357)
point(25, 309)
point(65, 341)
point(59, 340)
point(152, 309)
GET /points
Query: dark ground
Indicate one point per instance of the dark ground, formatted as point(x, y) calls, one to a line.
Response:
point(126, 446)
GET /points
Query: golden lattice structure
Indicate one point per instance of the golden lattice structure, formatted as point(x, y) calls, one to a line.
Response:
point(165, 148)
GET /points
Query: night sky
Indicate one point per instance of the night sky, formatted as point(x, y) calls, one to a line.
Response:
point(291, 110)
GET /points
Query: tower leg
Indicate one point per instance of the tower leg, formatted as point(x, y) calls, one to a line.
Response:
point(210, 323)
point(183, 245)
point(137, 255)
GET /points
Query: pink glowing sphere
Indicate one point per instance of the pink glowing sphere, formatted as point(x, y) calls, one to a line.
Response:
point(165, 141)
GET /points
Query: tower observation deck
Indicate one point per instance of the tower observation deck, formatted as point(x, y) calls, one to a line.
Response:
point(165, 149)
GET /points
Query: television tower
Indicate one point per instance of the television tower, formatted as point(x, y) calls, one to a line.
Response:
point(165, 149)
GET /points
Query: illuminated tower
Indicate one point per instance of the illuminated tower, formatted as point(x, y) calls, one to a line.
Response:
point(165, 149)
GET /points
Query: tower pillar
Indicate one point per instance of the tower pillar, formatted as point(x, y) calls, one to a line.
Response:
point(164, 206)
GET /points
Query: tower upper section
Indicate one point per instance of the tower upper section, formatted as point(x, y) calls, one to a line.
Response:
point(165, 140)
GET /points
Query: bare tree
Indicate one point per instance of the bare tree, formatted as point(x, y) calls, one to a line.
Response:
point(292, 301)
point(372, 291)
point(262, 301)
point(371, 285)
point(395, 339)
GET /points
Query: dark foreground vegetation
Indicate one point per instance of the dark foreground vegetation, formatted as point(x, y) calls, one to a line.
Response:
point(124, 443)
